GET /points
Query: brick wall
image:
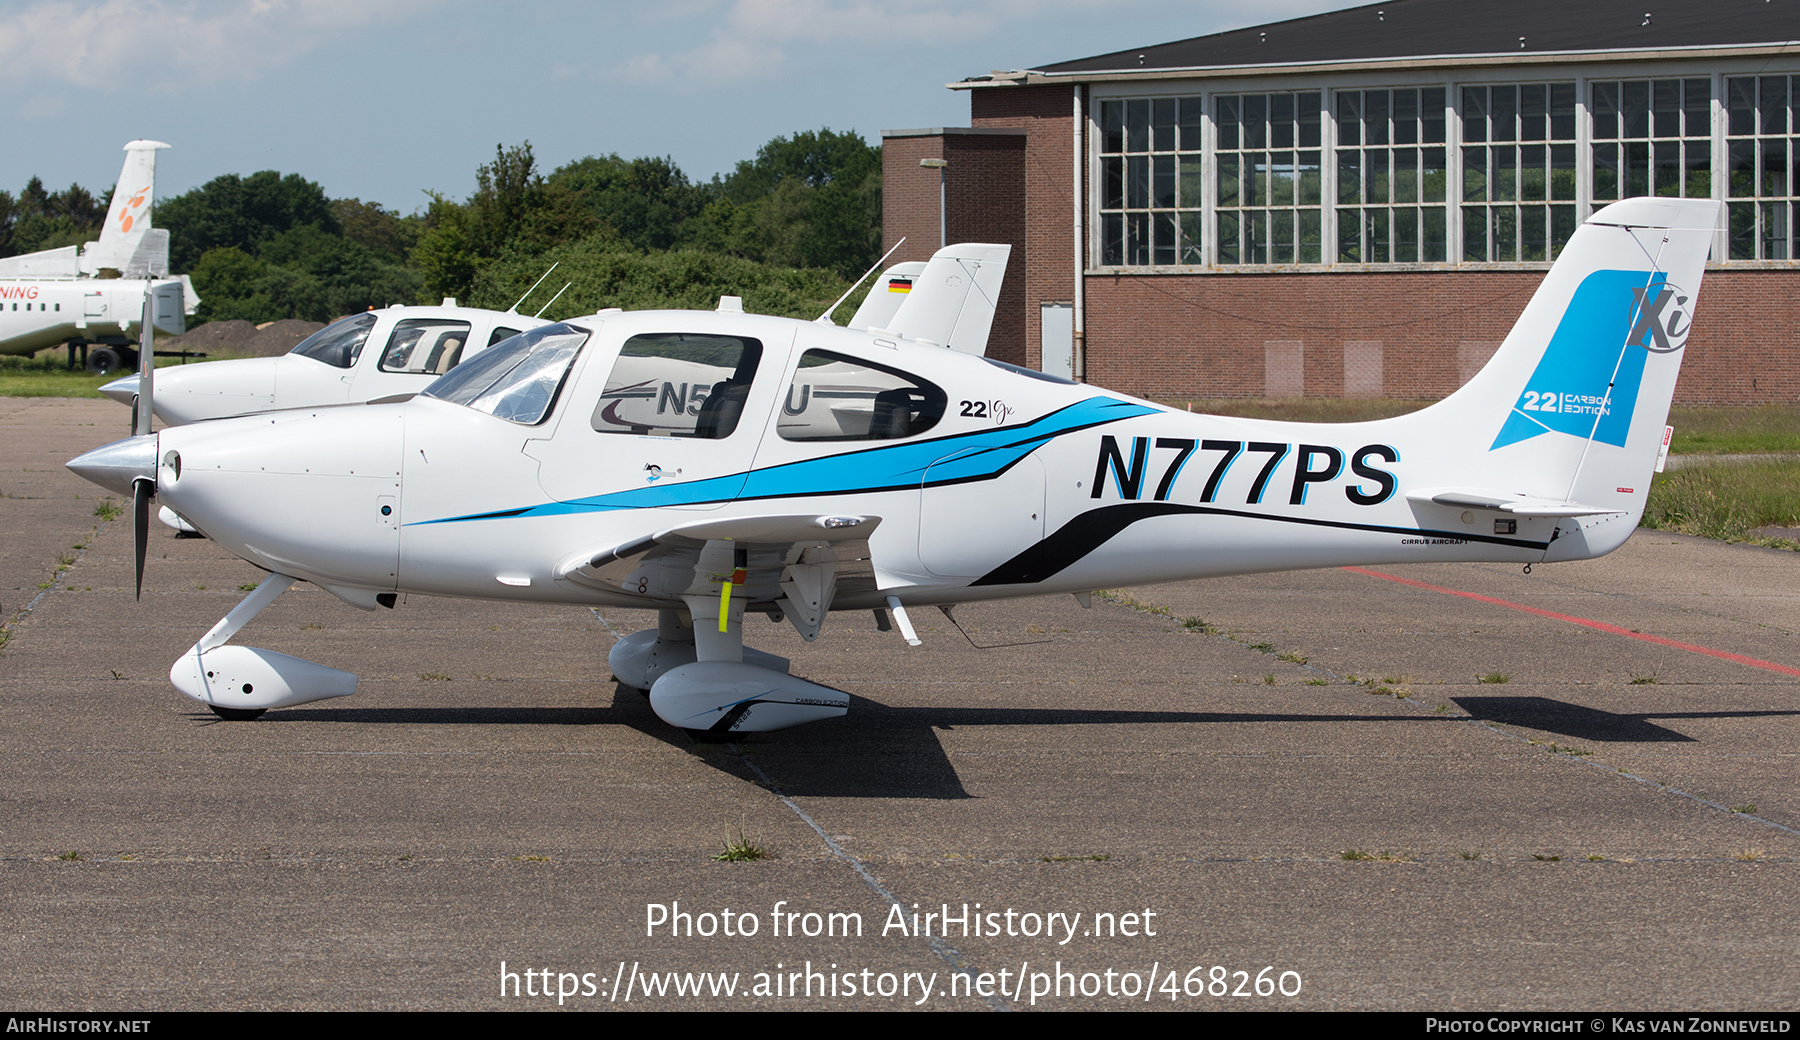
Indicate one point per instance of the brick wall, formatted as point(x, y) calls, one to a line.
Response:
point(985, 202)
point(1416, 335)
point(1044, 270)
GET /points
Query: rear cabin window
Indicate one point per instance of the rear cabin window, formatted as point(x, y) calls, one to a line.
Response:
point(425, 346)
point(678, 385)
point(839, 398)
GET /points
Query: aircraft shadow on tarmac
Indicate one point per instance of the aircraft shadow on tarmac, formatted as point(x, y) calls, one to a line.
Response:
point(877, 751)
point(1585, 723)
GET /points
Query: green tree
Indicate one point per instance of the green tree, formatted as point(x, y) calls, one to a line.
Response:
point(512, 208)
point(607, 271)
point(646, 200)
point(376, 227)
point(244, 212)
point(810, 200)
point(41, 219)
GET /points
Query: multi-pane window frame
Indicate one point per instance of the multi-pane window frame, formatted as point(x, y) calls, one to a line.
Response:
point(1390, 142)
point(1583, 75)
point(1267, 185)
point(1502, 216)
point(1755, 164)
point(1150, 166)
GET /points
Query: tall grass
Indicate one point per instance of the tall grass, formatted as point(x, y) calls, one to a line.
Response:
point(1727, 501)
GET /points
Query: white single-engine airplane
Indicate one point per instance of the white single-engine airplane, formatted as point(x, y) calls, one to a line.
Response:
point(364, 357)
point(907, 475)
point(94, 295)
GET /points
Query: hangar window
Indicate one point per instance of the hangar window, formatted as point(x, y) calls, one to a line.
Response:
point(839, 398)
point(1652, 137)
point(1270, 206)
point(1760, 142)
point(1150, 169)
point(678, 385)
point(1391, 176)
point(1518, 157)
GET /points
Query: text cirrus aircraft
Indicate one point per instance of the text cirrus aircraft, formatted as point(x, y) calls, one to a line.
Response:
point(906, 475)
point(94, 294)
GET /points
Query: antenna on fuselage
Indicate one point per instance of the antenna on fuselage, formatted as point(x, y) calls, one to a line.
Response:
point(825, 319)
point(553, 299)
point(514, 309)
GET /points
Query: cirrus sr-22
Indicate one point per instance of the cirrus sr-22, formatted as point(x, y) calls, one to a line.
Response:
point(706, 464)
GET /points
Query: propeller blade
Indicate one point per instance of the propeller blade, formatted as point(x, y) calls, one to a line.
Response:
point(144, 407)
point(141, 490)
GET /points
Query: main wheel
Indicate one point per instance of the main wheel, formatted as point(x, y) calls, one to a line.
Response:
point(104, 362)
point(237, 714)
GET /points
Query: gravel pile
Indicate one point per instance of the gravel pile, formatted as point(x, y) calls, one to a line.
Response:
point(241, 338)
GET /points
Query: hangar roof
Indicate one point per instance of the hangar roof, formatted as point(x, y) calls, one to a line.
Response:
point(1410, 29)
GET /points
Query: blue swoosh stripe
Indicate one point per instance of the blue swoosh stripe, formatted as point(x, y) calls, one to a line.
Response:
point(981, 455)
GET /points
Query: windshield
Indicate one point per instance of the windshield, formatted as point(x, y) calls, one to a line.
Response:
point(518, 379)
point(338, 344)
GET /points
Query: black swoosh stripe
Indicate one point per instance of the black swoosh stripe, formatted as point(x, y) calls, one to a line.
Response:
point(1094, 528)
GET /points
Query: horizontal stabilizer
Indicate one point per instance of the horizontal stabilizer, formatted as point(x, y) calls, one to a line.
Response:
point(1516, 505)
point(49, 263)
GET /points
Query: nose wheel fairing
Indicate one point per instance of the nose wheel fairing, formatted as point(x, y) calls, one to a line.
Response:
point(247, 678)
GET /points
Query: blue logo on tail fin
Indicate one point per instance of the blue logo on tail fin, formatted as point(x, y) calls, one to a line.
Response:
point(1568, 388)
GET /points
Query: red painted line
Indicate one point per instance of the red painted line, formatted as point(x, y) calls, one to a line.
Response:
point(1723, 655)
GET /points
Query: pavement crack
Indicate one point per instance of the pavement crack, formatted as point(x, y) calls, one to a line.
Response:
point(959, 965)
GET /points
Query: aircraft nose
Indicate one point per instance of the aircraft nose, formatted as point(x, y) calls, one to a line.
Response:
point(123, 390)
point(119, 465)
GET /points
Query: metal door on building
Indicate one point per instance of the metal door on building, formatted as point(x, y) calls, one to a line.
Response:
point(1056, 339)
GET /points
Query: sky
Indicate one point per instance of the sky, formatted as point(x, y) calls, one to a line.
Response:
point(386, 100)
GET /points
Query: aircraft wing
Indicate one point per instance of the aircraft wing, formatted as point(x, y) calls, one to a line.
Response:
point(1505, 502)
point(792, 563)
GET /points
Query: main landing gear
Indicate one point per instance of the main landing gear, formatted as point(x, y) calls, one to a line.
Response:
point(703, 679)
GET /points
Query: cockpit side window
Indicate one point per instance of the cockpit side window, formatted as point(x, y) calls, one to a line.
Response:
point(338, 344)
point(838, 398)
point(678, 385)
point(518, 380)
point(425, 346)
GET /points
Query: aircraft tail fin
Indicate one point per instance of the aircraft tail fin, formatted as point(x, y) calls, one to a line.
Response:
point(949, 300)
point(1567, 418)
point(886, 295)
point(128, 220)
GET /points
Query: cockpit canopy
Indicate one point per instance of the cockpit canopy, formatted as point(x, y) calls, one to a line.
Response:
point(518, 379)
point(340, 343)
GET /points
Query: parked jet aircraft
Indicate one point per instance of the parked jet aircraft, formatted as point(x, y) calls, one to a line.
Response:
point(95, 295)
point(909, 476)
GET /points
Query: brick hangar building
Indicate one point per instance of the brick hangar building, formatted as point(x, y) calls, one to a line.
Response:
point(1361, 203)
